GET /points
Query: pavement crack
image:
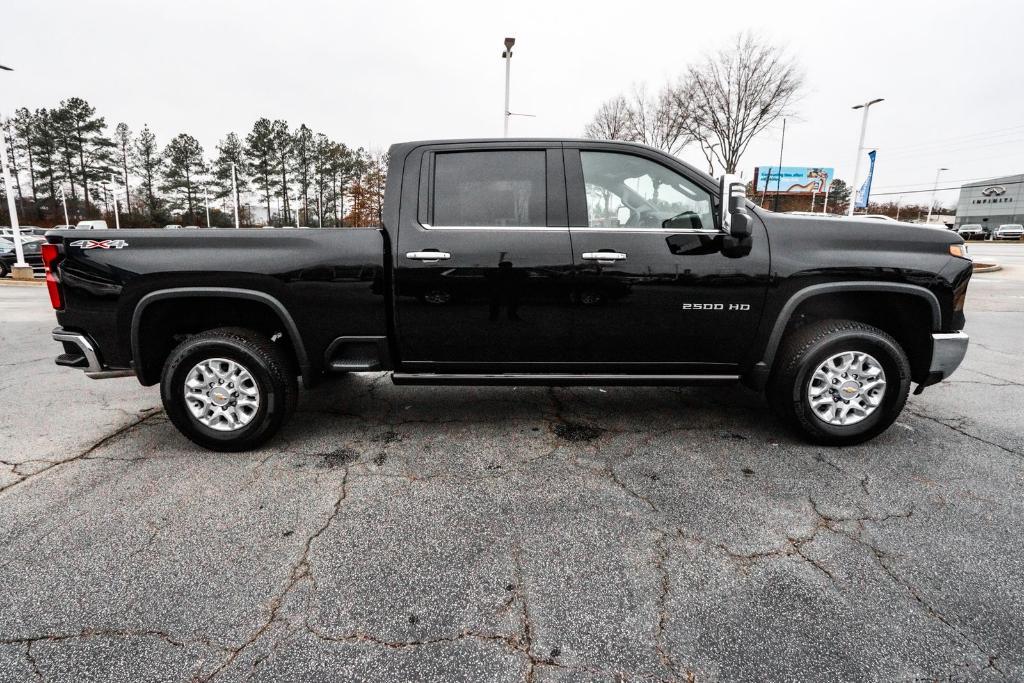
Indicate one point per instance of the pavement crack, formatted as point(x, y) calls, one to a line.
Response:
point(661, 554)
point(141, 418)
point(300, 571)
point(964, 432)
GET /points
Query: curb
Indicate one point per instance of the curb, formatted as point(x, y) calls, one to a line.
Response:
point(987, 267)
point(9, 282)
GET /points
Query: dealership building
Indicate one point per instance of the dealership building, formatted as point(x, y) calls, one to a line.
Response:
point(992, 202)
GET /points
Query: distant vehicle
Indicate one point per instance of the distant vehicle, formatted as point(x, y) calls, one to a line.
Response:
point(873, 217)
point(267, 227)
point(172, 227)
point(30, 247)
point(24, 230)
point(971, 231)
point(91, 225)
point(63, 227)
point(1008, 231)
point(191, 227)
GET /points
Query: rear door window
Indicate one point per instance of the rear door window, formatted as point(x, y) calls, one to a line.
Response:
point(499, 188)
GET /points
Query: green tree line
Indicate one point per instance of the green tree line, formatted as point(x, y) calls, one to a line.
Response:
point(67, 153)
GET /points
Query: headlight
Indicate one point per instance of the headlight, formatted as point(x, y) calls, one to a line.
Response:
point(960, 251)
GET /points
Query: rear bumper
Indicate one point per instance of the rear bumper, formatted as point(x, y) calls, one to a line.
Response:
point(86, 358)
point(948, 351)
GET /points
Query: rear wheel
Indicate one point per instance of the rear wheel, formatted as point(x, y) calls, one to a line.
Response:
point(4, 270)
point(840, 382)
point(228, 389)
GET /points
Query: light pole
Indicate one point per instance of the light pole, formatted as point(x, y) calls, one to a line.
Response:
point(860, 148)
point(113, 193)
point(21, 270)
point(206, 198)
point(234, 193)
point(507, 56)
point(935, 189)
point(64, 202)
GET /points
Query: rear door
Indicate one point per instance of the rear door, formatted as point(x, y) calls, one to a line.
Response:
point(484, 263)
point(660, 289)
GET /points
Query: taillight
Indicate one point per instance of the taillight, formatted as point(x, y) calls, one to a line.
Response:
point(51, 253)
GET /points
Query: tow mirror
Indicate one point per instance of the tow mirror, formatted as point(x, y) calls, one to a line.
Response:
point(734, 218)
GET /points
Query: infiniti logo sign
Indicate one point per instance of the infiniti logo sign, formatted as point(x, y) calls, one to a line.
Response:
point(994, 191)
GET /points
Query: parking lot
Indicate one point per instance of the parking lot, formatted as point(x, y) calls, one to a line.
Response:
point(403, 533)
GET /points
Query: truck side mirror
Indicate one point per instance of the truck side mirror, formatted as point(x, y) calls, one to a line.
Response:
point(734, 218)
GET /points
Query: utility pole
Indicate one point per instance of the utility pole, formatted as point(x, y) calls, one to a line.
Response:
point(934, 190)
point(828, 188)
point(234, 194)
point(860, 149)
point(507, 56)
point(113, 193)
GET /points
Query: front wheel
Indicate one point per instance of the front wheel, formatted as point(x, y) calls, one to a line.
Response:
point(228, 389)
point(840, 382)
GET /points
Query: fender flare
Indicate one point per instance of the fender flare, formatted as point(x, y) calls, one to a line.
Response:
point(305, 369)
point(763, 368)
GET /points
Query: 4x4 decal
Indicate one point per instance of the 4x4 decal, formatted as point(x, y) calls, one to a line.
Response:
point(100, 244)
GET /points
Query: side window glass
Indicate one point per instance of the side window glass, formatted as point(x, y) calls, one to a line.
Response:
point(492, 188)
point(626, 191)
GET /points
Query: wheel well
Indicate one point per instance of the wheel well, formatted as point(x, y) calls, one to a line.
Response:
point(906, 317)
point(164, 323)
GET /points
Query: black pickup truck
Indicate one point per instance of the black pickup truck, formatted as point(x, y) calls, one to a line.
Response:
point(542, 262)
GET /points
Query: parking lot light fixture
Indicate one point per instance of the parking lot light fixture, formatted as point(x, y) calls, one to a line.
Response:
point(507, 56)
point(234, 193)
point(21, 270)
point(860, 150)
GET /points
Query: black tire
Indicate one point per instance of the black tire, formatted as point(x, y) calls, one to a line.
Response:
point(4, 270)
point(810, 346)
point(270, 367)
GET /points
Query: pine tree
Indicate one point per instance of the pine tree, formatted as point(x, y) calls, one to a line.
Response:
point(282, 148)
point(260, 152)
point(184, 157)
point(24, 128)
point(123, 139)
point(147, 161)
point(87, 142)
point(230, 151)
point(46, 156)
point(302, 147)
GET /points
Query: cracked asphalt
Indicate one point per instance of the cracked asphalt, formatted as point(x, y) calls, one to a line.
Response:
point(493, 534)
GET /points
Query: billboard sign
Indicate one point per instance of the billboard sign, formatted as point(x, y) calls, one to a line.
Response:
point(793, 179)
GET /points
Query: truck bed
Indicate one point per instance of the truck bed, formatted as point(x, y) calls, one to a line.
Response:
point(327, 282)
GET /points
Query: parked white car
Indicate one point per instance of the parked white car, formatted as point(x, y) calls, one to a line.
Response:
point(91, 225)
point(172, 227)
point(971, 231)
point(1009, 231)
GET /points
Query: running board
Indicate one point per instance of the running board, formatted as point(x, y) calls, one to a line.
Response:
point(560, 380)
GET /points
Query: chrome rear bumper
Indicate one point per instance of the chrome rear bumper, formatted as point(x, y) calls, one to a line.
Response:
point(948, 351)
point(93, 368)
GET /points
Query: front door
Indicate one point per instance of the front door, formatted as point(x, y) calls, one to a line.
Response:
point(484, 264)
point(659, 287)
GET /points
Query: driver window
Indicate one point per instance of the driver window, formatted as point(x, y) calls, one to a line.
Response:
point(626, 191)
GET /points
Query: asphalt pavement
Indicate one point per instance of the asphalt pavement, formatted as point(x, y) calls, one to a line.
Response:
point(492, 534)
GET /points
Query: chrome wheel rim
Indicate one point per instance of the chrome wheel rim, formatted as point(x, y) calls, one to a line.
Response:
point(846, 388)
point(222, 394)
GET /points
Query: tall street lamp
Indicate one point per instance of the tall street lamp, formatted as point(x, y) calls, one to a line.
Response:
point(21, 270)
point(860, 150)
point(507, 56)
point(935, 188)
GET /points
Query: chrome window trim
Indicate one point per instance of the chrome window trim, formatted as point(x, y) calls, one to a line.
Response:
point(649, 231)
point(510, 228)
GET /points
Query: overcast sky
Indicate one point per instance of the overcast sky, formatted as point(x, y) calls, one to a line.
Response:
point(372, 73)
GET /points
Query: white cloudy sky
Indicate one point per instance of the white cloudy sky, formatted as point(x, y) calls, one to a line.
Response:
point(370, 73)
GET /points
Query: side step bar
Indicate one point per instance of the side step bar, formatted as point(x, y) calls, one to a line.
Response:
point(560, 380)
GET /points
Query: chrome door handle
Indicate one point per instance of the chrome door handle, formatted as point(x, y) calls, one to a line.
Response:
point(427, 255)
point(604, 256)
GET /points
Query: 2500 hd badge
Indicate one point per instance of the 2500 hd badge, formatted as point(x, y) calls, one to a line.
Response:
point(716, 307)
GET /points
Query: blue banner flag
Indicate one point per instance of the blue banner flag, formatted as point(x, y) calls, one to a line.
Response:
point(864, 194)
